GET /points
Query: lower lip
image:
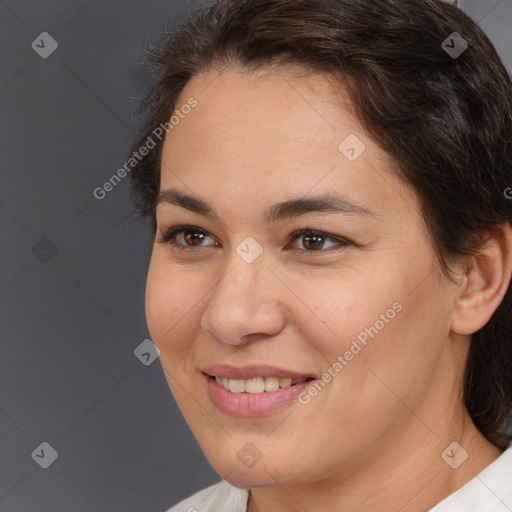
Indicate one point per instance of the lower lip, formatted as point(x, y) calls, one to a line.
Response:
point(251, 404)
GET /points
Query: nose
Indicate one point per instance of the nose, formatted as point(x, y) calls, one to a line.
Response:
point(246, 304)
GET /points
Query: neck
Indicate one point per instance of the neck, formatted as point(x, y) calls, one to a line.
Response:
point(403, 474)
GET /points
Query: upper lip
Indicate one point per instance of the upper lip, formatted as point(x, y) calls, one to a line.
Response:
point(252, 371)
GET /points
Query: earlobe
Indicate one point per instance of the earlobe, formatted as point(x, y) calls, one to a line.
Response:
point(484, 283)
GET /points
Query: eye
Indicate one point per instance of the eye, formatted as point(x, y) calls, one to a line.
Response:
point(185, 238)
point(314, 241)
point(188, 234)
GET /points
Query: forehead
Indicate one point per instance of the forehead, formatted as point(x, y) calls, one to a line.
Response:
point(237, 106)
point(273, 134)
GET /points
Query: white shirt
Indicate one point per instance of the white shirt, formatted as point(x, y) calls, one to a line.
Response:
point(489, 491)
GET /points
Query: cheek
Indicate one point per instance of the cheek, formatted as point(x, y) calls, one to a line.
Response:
point(346, 310)
point(171, 297)
point(155, 302)
point(370, 321)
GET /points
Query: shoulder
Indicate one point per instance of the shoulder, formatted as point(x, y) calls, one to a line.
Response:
point(220, 497)
point(489, 491)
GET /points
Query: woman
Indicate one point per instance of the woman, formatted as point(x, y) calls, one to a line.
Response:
point(329, 286)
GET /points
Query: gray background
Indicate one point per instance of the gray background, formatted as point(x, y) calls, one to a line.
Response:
point(72, 267)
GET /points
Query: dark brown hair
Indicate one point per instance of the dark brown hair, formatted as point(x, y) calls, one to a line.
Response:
point(445, 121)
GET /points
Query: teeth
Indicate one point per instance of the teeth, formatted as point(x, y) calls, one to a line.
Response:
point(271, 383)
point(285, 383)
point(257, 385)
point(236, 386)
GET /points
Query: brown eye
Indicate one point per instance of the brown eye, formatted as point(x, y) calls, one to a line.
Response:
point(314, 241)
point(193, 238)
point(185, 237)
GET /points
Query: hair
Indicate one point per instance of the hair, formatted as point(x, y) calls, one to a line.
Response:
point(445, 122)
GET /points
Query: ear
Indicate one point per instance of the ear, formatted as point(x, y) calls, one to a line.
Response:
point(485, 280)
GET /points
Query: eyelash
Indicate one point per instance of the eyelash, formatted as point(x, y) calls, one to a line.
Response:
point(169, 237)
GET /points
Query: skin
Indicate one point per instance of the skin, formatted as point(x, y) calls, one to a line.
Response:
point(373, 438)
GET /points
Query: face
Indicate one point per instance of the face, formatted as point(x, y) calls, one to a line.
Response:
point(356, 304)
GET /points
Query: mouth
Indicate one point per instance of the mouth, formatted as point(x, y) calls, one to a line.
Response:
point(257, 385)
point(246, 392)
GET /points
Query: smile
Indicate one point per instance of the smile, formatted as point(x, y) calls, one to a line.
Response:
point(257, 384)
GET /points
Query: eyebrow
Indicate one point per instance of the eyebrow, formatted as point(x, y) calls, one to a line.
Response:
point(329, 203)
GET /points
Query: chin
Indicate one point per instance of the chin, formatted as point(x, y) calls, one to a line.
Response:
point(249, 478)
point(262, 474)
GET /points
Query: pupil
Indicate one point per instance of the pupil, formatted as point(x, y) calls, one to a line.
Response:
point(316, 240)
point(194, 238)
